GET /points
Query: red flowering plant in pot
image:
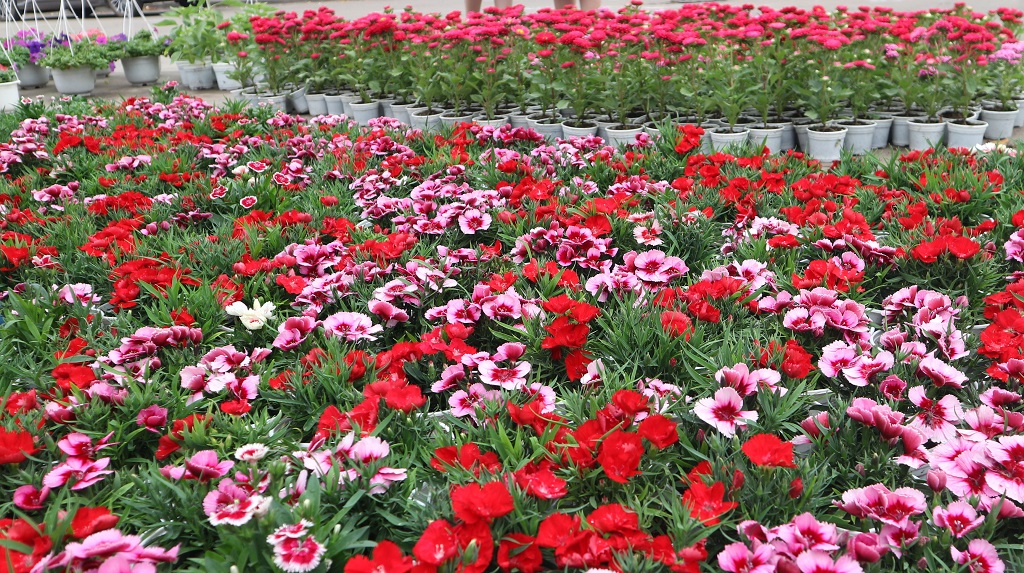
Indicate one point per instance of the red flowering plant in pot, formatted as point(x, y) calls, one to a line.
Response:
point(272, 37)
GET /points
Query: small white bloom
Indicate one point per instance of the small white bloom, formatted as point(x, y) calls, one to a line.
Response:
point(251, 452)
point(252, 318)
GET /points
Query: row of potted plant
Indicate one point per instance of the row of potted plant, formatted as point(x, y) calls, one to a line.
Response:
point(75, 62)
point(839, 79)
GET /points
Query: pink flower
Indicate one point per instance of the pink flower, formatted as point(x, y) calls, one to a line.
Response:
point(293, 331)
point(980, 557)
point(152, 418)
point(203, 466)
point(390, 313)
point(737, 558)
point(28, 498)
point(464, 403)
point(352, 326)
point(382, 480)
point(724, 411)
point(298, 556)
point(473, 220)
point(368, 449)
point(821, 562)
point(959, 517)
point(507, 378)
point(85, 472)
point(940, 373)
point(231, 505)
point(936, 418)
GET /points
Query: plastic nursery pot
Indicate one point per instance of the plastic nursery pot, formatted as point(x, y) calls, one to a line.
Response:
point(317, 104)
point(965, 133)
point(453, 118)
point(925, 133)
point(578, 128)
point(1000, 123)
point(9, 95)
point(334, 104)
point(33, 76)
point(900, 132)
point(143, 70)
point(722, 137)
point(400, 111)
point(883, 127)
point(860, 134)
point(426, 119)
point(825, 142)
point(76, 81)
point(221, 72)
point(770, 136)
point(198, 76)
point(623, 134)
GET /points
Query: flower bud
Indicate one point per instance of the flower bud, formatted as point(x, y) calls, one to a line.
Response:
point(865, 548)
point(738, 479)
point(936, 480)
point(796, 488)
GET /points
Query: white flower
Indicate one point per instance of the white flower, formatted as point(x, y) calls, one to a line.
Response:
point(252, 318)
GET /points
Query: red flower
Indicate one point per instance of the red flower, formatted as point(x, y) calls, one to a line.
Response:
point(14, 446)
point(620, 454)
point(659, 430)
point(676, 323)
point(538, 480)
point(89, 520)
point(557, 529)
point(706, 503)
point(518, 551)
point(475, 503)
point(467, 457)
point(769, 451)
point(387, 558)
point(796, 362)
point(437, 544)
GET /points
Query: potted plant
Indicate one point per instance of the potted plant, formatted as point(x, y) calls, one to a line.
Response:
point(767, 62)
point(927, 130)
point(26, 48)
point(75, 65)
point(195, 43)
point(1003, 82)
point(821, 93)
point(731, 83)
point(860, 131)
point(9, 95)
point(582, 81)
point(140, 57)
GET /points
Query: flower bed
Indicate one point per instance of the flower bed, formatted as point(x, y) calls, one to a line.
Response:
point(233, 340)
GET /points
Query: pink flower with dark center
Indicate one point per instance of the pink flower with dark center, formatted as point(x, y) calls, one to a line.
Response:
point(293, 331)
point(152, 418)
point(473, 220)
point(821, 562)
point(382, 480)
point(940, 373)
point(203, 466)
point(737, 558)
point(980, 557)
point(389, 313)
point(724, 411)
point(507, 378)
point(368, 449)
point(352, 326)
point(464, 403)
point(298, 556)
point(936, 418)
point(286, 532)
point(959, 517)
point(230, 504)
point(28, 498)
point(85, 472)
point(805, 533)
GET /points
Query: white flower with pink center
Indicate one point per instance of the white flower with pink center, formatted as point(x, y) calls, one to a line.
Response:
point(724, 411)
point(473, 220)
point(508, 378)
point(352, 326)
